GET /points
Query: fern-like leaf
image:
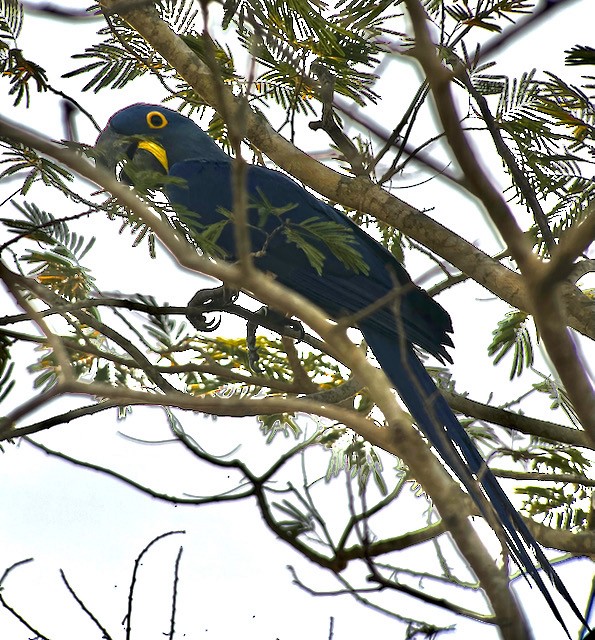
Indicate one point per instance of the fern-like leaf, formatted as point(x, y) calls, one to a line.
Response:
point(511, 333)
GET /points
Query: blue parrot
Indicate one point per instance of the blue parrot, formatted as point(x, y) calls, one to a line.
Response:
point(317, 251)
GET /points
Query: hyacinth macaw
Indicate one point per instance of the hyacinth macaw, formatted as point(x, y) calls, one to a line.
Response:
point(154, 137)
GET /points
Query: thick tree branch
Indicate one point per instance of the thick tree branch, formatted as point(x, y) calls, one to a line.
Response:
point(580, 544)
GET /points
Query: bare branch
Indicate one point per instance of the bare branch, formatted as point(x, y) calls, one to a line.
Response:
point(84, 607)
point(137, 564)
point(175, 594)
point(18, 616)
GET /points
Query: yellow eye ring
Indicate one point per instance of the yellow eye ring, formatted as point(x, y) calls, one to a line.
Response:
point(156, 120)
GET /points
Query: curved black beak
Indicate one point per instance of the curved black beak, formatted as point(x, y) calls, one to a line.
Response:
point(111, 148)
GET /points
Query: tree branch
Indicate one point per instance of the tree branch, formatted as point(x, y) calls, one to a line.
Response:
point(518, 422)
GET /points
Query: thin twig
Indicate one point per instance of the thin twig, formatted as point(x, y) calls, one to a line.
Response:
point(174, 598)
point(84, 607)
point(18, 616)
point(538, 13)
point(137, 564)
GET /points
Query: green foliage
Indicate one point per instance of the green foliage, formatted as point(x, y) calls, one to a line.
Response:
point(166, 331)
point(179, 14)
point(205, 237)
point(18, 158)
point(122, 57)
point(580, 55)
point(11, 19)
point(232, 354)
point(351, 452)
point(212, 53)
point(312, 236)
point(275, 423)
point(390, 237)
point(297, 521)
point(292, 38)
point(21, 71)
point(47, 369)
point(336, 238)
point(558, 396)
point(13, 64)
point(58, 266)
point(556, 505)
point(522, 114)
point(115, 67)
point(486, 14)
point(559, 503)
point(45, 228)
point(549, 125)
point(6, 368)
point(134, 225)
point(512, 333)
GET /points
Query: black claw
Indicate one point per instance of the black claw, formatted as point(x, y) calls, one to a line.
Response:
point(209, 300)
point(215, 299)
point(201, 323)
point(253, 356)
point(294, 329)
point(281, 324)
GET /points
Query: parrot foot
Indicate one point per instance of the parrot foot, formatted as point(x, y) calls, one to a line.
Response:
point(275, 321)
point(281, 324)
point(209, 300)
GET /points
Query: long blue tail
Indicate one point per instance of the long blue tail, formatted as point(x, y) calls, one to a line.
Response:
point(439, 424)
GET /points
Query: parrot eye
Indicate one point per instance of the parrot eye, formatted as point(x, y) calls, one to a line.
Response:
point(156, 120)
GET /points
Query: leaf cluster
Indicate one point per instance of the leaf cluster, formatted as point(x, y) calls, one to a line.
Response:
point(562, 504)
point(13, 64)
point(335, 237)
point(459, 17)
point(352, 453)
point(18, 158)
point(512, 333)
point(549, 126)
point(57, 264)
point(547, 123)
point(7, 381)
point(120, 58)
point(313, 236)
point(233, 354)
point(293, 39)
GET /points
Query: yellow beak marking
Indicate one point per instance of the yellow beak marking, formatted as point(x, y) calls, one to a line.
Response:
point(157, 151)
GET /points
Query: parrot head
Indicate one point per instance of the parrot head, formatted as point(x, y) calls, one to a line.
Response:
point(153, 138)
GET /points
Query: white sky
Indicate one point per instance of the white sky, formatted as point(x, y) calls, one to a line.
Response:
point(234, 581)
